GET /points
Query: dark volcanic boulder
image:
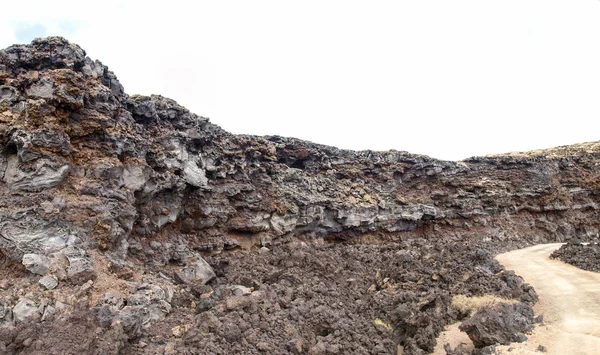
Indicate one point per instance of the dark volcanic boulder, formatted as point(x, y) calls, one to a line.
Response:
point(501, 323)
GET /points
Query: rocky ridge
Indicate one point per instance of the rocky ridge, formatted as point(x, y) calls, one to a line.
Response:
point(138, 208)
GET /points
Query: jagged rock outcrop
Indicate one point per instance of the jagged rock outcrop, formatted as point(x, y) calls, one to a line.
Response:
point(93, 181)
point(83, 163)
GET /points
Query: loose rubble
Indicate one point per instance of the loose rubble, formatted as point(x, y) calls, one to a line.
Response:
point(584, 256)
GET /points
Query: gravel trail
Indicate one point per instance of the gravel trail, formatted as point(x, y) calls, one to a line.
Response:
point(569, 302)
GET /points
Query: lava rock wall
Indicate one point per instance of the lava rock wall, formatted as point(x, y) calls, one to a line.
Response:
point(84, 165)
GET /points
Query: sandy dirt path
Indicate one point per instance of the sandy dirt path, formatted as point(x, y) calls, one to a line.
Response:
point(569, 302)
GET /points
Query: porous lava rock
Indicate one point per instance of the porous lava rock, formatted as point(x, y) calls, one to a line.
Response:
point(166, 233)
point(584, 256)
point(501, 323)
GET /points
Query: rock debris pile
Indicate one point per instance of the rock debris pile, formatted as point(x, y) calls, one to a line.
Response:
point(584, 256)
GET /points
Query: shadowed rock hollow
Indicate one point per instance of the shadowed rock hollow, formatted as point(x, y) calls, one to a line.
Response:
point(130, 210)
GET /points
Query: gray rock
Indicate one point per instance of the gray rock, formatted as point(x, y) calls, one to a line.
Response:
point(25, 309)
point(114, 300)
point(8, 93)
point(149, 303)
point(194, 175)
point(481, 254)
point(131, 320)
point(198, 271)
point(239, 290)
point(501, 323)
point(37, 264)
point(43, 89)
point(48, 282)
point(30, 235)
point(49, 311)
point(61, 274)
point(135, 177)
point(81, 270)
point(43, 173)
point(153, 299)
point(181, 253)
point(283, 224)
point(542, 349)
point(6, 314)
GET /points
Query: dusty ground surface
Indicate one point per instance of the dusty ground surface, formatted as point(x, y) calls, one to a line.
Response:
point(569, 299)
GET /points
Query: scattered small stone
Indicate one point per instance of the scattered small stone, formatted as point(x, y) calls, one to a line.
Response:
point(114, 299)
point(459, 350)
point(198, 271)
point(481, 254)
point(180, 330)
point(539, 319)
point(4, 285)
point(84, 288)
point(238, 302)
point(239, 290)
point(61, 274)
point(489, 350)
point(48, 312)
point(521, 338)
point(81, 270)
point(48, 282)
point(542, 348)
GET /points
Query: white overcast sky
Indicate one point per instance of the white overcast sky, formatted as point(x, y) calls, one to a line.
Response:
point(449, 79)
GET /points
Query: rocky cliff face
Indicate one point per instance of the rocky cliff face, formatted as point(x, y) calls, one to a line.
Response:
point(82, 163)
point(92, 177)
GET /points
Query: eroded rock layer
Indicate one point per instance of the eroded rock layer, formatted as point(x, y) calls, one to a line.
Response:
point(124, 201)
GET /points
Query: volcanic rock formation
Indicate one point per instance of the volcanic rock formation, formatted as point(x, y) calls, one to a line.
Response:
point(584, 256)
point(133, 206)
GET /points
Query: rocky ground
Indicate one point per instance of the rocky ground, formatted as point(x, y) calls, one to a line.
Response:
point(130, 225)
point(312, 297)
point(584, 256)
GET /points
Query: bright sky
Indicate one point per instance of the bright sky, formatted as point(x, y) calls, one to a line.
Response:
point(449, 79)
